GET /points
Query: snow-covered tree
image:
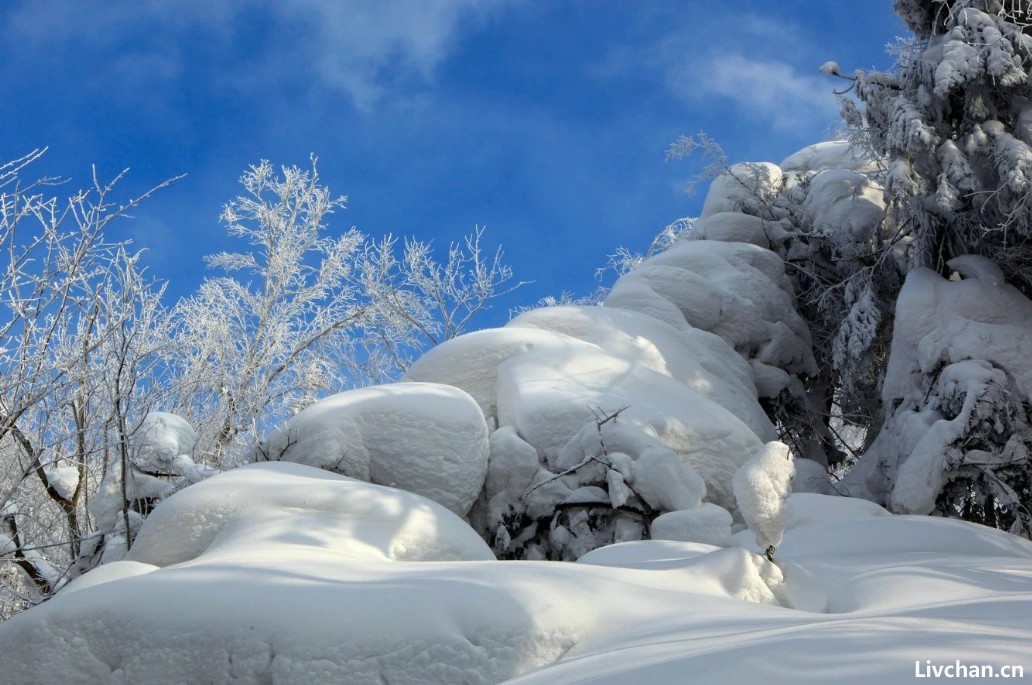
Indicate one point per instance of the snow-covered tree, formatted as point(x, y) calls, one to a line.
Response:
point(78, 329)
point(955, 125)
point(304, 312)
point(262, 340)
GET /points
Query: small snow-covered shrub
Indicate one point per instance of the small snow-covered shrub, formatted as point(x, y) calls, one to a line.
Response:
point(762, 486)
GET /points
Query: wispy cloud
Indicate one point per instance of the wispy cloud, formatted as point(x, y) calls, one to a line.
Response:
point(359, 48)
point(760, 68)
point(768, 91)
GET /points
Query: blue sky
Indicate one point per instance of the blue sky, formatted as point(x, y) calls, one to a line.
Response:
point(546, 121)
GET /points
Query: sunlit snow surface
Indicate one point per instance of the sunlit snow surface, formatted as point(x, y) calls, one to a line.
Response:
point(284, 573)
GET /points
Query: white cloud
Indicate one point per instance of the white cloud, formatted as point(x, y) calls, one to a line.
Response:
point(770, 91)
point(360, 46)
point(357, 47)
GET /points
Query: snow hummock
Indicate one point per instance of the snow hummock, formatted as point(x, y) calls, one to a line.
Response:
point(707, 524)
point(427, 438)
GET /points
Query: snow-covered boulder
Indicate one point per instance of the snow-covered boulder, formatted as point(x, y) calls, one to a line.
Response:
point(158, 439)
point(846, 207)
point(550, 398)
point(241, 510)
point(734, 227)
point(835, 154)
point(427, 438)
point(744, 187)
point(736, 290)
point(470, 361)
point(701, 360)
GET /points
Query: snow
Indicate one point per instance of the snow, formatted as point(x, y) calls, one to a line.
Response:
point(960, 349)
point(470, 361)
point(734, 227)
point(837, 154)
point(736, 290)
point(549, 398)
point(707, 524)
point(697, 358)
point(240, 510)
point(427, 438)
point(293, 575)
point(844, 205)
point(64, 479)
point(829, 69)
point(762, 486)
point(158, 439)
point(743, 187)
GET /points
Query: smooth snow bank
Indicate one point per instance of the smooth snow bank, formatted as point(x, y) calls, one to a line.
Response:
point(426, 438)
point(302, 591)
point(347, 516)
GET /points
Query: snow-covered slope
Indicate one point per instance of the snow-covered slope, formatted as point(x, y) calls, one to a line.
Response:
point(284, 573)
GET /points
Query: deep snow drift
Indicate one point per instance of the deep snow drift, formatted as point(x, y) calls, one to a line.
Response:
point(285, 573)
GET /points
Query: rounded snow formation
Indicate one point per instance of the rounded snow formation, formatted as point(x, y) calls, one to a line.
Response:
point(737, 291)
point(743, 187)
point(426, 438)
point(734, 227)
point(300, 576)
point(701, 360)
point(846, 203)
point(470, 361)
point(762, 486)
point(835, 154)
point(707, 524)
point(158, 439)
point(238, 512)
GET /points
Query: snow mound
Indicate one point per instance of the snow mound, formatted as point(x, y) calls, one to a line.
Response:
point(697, 358)
point(470, 361)
point(736, 290)
point(707, 524)
point(158, 439)
point(836, 154)
point(844, 205)
point(426, 438)
point(733, 227)
point(303, 590)
point(743, 188)
point(347, 516)
point(549, 398)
